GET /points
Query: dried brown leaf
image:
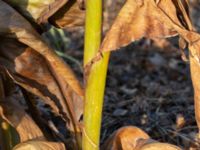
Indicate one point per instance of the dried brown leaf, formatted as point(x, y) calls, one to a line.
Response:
point(31, 9)
point(12, 24)
point(63, 13)
point(159, 146)
point(14, 114)
point(70, 15)
point(20, 120)
point(138, 19)
point(126, 138)
point(40, 145)
point(50, 76)
point(133, 138)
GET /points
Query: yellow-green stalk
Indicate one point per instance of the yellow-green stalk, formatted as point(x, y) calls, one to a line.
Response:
point(9, 137)
point(95, 84)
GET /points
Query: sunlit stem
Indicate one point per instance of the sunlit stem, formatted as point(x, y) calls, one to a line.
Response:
point(95, 81)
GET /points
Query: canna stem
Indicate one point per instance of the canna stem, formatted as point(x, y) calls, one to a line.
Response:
point(95, 86)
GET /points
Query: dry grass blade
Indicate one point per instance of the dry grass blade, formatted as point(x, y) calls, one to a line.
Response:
point(40, 145)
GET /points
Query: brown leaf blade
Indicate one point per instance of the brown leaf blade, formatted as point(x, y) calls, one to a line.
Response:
point(53, 74)
point(137, 20)
point(126, 138)
point(14, 114)
point(133, 138)
point(159, 146)
point(62, 13)
point(70, 15)
point(40, 145)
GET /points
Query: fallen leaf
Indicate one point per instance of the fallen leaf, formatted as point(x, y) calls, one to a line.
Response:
point(125, 138)
point(40, 145)
point(133, 138)
point(159, 146)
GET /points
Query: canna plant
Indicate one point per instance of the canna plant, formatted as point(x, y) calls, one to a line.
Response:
point(30, 67)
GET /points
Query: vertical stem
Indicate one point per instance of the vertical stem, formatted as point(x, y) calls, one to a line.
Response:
point(94, 91)
point(9, 137)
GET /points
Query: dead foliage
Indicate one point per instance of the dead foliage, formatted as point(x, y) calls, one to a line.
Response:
point(29, 62)
point(133, 138)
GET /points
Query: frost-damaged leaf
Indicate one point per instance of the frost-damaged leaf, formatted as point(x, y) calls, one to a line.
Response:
point(70, 15)
point(40, 145)
point(138, 19)
point(133, 138)
point(14, 26)
point(31, 71)
point(14, 114)
point(63, 13)
point(159, 146)
point(32, 9)
point(126, 138)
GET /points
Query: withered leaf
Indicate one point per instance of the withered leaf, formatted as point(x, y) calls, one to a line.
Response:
point(40, 145)
point(30, 70)
point(70, 15)
point(20, 120)
point(138, 19)
point(133, 138)
point(50, 76)
point(32, 9)
point(12, 24)
point(14, 113)
point(159, 146)
point(63, 13)
point(125, 138)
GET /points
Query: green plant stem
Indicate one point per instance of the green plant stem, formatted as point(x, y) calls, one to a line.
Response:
point(9, 136)
point(95, 84)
